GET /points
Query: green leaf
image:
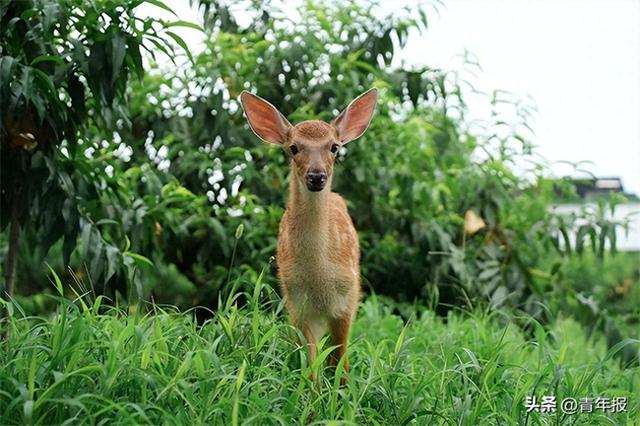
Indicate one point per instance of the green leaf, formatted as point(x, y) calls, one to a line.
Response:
point(56, 281)
point(181, 43)
point(48, 84)
point(76, 91)
point(79, 55)
point(51, 12)
point(7, 65)
point(424, 18)
point(96, 265)
point(85, 239)
point(112, 261)
point(47, 58)
point(136, 58)
point(118, 52)
point(161, 5)
point(583, 231)
point(488, 273)
point(95, 77)
point(185, 24)
point(139, 258)
point(161, 48)
point(613, 238)
point(70, 215)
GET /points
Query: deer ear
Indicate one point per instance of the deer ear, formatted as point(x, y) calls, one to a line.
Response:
point(354, 120)
point(265, 120)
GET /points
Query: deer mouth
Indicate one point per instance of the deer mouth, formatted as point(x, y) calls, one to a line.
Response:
point(315, 187)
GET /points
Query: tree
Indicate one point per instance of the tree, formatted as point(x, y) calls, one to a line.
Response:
point(64, 65)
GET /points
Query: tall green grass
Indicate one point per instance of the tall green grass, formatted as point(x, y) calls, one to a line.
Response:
point(93, 364)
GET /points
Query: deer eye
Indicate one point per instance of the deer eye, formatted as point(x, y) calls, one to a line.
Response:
point(334, 148)
point(294, 149)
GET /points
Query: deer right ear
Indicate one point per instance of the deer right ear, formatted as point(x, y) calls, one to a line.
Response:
point(354, 120)
point(264, 119)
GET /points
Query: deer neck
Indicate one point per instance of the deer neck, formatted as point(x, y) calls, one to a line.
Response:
point(309, 210)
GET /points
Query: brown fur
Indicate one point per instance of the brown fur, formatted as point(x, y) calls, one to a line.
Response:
point(318, 253)
point(313, 129)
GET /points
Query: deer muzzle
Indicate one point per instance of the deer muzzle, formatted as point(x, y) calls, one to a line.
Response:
point(315, 180)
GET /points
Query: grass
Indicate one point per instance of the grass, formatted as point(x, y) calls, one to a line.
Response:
point(93, 364)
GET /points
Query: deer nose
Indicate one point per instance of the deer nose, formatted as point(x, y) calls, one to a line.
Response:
point(316, 180)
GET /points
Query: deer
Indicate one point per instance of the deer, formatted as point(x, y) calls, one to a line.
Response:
point(318, 251)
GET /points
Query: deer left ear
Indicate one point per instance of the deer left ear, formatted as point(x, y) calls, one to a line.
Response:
point(264, 119)
point(354, 120)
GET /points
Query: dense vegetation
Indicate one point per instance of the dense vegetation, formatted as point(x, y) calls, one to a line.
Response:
point(93, 364)
point(140, 184)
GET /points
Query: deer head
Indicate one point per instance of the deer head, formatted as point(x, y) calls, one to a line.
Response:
point(312, 144)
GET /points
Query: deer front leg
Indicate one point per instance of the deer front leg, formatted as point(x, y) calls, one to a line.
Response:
point(309, 336)
point(339, 328)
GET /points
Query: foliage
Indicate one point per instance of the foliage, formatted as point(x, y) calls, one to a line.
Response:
point(94, 363)
point(170, 184)
point(66, 65)
point(602, 293)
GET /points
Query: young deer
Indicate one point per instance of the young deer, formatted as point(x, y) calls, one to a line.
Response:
point(318, 253)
